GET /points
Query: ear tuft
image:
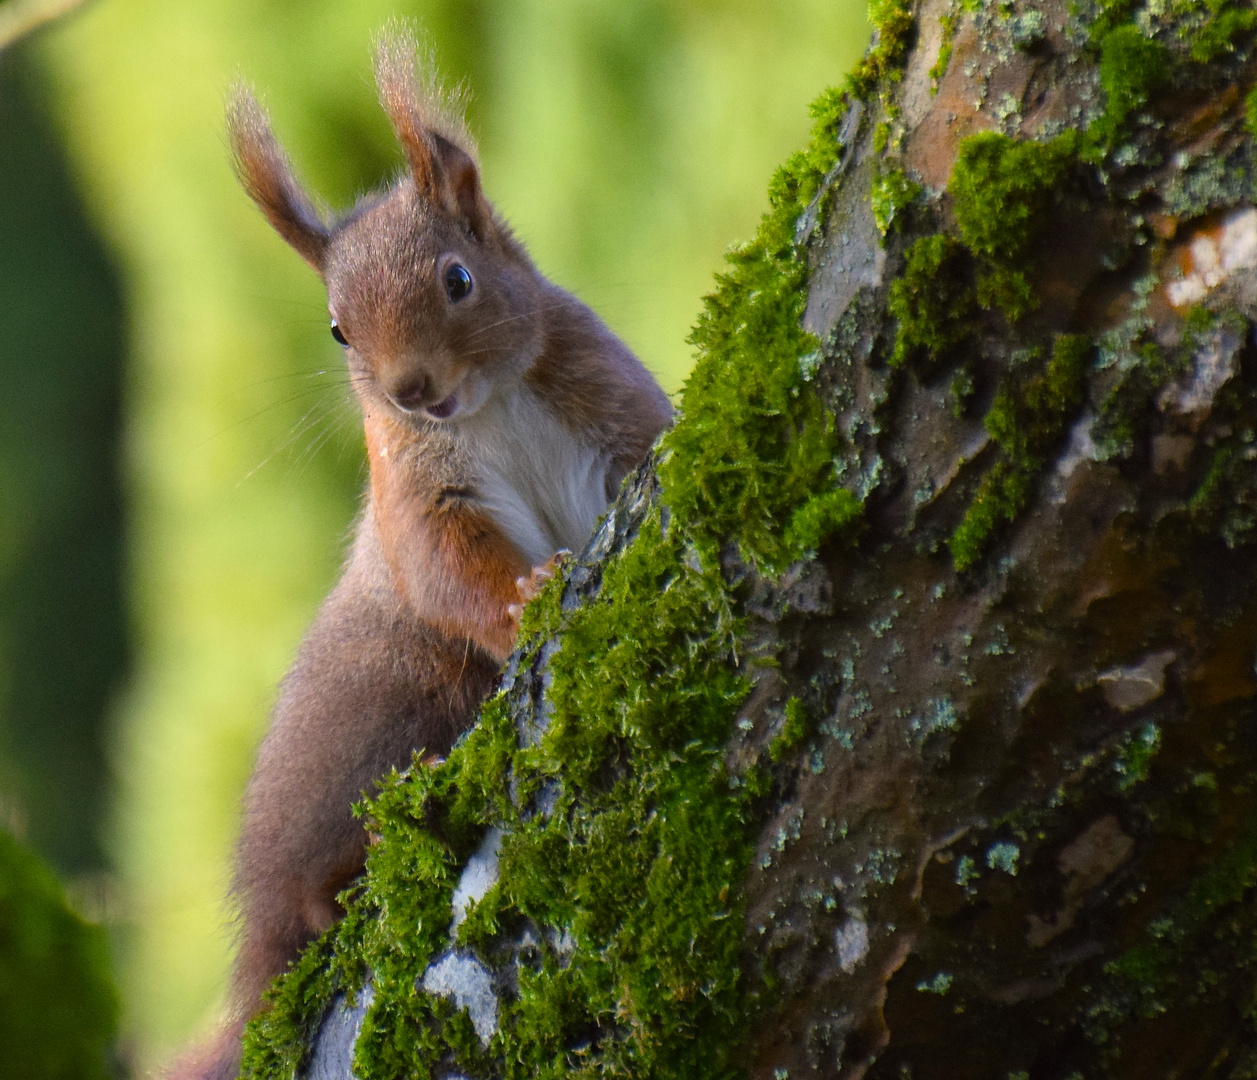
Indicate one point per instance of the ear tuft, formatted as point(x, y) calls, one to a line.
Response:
point(266, 175)
point(428, 121)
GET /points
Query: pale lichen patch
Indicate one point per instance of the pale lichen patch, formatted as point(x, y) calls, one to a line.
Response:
point(1133, 687)
point(1212, 256)
point(479, 876)
point(1084, 863)
point(851, 940)
point(1214, 364)
point(461, 976)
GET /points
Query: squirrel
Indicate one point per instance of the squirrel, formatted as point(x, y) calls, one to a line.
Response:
point(500, 415)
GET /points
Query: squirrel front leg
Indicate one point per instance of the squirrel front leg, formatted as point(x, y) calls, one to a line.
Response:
point(454, 567)
point(451, 565)
point(478, 595)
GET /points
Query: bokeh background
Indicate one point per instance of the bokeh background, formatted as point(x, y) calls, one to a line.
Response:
point(179, 457)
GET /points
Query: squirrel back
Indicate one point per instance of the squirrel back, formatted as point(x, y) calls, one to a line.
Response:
point(500, 416)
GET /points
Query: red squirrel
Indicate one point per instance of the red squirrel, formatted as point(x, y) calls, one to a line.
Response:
point(501, 415)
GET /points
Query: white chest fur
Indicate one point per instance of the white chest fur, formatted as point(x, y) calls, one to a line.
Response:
point(543, 487)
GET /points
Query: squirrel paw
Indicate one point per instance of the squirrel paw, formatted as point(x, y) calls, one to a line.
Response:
point(531, 585)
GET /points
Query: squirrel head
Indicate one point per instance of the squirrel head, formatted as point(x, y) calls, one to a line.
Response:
point(434, 301)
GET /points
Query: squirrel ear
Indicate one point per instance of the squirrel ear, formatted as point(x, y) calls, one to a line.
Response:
point(266, 175)
point(428, 125)
point(460, 185)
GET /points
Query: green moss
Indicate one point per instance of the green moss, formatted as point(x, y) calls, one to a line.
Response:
point(1135, 62)
point(939, 984)
point(1024, 422)
point(793, 730)
point(961, 390)
point(1108, 14)
point(949, 21)
point(893, 24)
point(277, 1039)
point(1140, 979)
point(932, 302)
point(1132, 66)
point(1199, 320)
point(1003, 855)
point(892, 193)
point(1227, 22)
point(753, 451)
point(1001, 190)
point(1251, 103)
point(1224, 504)
point(637, 866)
point(1134, 759)
point(57, 1006)
point(1122, 414)
point(819, 518)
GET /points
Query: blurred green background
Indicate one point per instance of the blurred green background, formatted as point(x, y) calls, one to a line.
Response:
point(179, 460)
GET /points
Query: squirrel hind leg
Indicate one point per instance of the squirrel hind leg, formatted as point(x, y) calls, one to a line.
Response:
point(278, 924)
point(270, 942)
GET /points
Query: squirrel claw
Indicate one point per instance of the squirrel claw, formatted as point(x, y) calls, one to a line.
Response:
point(531, 585)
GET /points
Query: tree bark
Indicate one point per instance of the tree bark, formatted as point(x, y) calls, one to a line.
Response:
point(1017, 836)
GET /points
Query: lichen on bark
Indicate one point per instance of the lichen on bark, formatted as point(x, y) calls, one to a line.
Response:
point(898, 720)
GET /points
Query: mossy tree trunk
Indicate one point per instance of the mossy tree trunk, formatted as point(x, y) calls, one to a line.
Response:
point(1025, 840)
point(903, 722)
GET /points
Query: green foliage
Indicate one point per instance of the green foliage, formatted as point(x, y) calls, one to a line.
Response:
point(1001, 189)
point(892, 193)
point(1024, 421)
point(63, 621)
point(1132, 66)
point(58, 1009)
point(932, 301)
point(1251, 103)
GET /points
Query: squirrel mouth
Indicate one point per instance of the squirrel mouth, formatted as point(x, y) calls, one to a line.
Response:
point(443, 410)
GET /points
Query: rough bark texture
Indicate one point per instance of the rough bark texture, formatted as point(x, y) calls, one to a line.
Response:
point(1001, 752)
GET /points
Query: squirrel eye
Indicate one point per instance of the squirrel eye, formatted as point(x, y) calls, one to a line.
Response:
point(337, 334)
point(457, 282)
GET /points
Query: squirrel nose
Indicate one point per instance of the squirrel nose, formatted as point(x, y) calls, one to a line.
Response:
point(410, 395)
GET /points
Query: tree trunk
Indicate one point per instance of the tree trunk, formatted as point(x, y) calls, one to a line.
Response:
point(959, 782)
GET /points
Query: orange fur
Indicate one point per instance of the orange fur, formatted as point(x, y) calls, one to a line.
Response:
point(450, 562)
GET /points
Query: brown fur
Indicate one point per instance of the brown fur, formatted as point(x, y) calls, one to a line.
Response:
point(545, 412)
